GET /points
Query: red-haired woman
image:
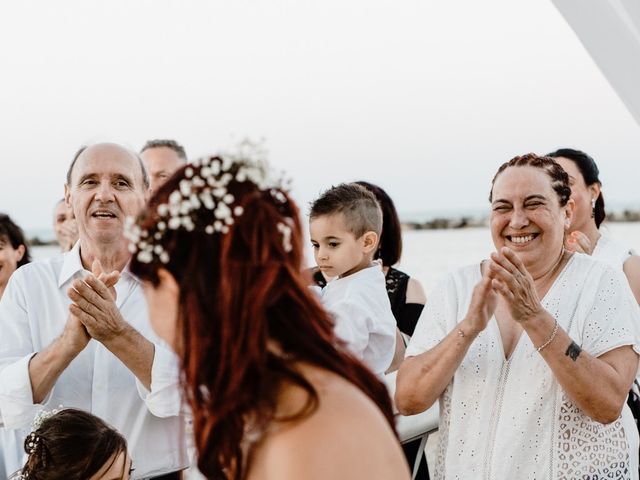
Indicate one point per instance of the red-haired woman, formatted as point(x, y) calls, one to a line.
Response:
point(273, 396)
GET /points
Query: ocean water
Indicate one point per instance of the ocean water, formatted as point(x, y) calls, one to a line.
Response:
point(429, 254)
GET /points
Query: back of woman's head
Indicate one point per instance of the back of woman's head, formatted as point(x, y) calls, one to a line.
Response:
point(590, 173)
point(12, 233)
point(70, 445)
point(390, 247)
point(232, 239)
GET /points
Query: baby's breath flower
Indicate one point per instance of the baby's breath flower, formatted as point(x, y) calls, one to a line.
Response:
point(205, 186)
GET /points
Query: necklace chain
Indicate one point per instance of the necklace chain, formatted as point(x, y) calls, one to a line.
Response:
point(550, 274)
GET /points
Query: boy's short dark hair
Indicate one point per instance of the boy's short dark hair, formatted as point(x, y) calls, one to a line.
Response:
point(358, 205)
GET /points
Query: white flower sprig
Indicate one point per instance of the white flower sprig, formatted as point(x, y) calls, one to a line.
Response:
point(33, 440)
point(286, 236)
point(42, 415)
point(205, 186)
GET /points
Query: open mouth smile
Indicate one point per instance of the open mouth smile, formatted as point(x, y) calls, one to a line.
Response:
point(521, 239)
point(103, 214)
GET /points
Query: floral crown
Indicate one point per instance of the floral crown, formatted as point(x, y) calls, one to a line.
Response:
point(41, 416)
point(205, 186)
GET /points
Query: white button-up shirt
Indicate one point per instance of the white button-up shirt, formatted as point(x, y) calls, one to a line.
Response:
point(363, 318)
point(33, 312)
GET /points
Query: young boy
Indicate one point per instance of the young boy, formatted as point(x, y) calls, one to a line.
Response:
point(345, 225)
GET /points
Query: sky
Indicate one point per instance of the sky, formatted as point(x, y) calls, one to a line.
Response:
point(424, 98)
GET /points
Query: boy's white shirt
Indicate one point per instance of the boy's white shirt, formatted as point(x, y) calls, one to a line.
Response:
point(363, 318)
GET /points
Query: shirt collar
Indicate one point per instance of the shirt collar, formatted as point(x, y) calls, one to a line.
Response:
point(371, 271)
point(72, 264)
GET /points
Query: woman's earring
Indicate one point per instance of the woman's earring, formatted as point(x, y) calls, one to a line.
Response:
point(593, 208)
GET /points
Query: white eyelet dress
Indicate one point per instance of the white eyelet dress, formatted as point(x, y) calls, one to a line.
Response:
point(510, 419)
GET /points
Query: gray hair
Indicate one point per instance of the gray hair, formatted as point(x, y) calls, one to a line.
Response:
point(166, 143)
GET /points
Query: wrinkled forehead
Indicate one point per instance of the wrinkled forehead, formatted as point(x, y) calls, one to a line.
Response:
point(161, 157)
point(105, 163)
point(521, 182)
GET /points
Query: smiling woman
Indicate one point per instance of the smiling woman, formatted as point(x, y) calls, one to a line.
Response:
point(528, 204)
point(14, 251)
point(586, 236)
point(532, 352)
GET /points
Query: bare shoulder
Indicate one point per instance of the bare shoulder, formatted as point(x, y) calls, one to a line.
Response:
point(631, 269)
point(347, 437)
point(632, 264)
point(415, 292)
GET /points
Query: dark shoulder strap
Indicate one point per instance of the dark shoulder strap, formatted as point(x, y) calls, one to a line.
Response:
point(397, 289)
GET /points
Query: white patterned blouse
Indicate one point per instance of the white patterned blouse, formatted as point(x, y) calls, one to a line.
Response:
point(510, 419)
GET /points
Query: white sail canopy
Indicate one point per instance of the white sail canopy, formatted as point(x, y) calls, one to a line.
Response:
point(610, 32)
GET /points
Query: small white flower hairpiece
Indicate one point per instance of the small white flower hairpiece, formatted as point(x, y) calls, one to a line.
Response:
point(38, 420)
point(42, 415)
point(286, 236)
point(205, 186)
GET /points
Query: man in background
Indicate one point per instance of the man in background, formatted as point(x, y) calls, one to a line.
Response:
point(64, 225)
point(161, 158)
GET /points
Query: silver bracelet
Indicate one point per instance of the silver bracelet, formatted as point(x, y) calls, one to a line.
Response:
point(553, 335)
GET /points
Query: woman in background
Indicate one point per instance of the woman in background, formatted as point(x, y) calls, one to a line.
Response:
point(14, 251)
point(406, 294)
point(586, 235)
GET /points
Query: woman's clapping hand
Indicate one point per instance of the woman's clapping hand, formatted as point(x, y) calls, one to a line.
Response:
point(483, 304)
point(511, 280)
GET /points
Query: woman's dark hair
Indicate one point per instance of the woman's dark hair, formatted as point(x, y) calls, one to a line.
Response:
point(71, 445)
point(390, 247)
point(246, 316)
point(15, 235)
point(590, 174)
point(559, 178)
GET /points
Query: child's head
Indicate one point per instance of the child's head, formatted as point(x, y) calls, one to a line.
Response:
point(345, 225)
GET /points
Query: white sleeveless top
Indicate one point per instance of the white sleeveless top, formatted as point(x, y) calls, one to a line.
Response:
point(510, 419)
